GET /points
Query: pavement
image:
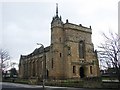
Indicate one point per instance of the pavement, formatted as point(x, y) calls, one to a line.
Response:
point(16, 86)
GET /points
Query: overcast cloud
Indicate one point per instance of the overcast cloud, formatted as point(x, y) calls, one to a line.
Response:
point(23, 24)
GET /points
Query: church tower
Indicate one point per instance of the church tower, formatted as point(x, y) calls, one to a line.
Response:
point(57, 41)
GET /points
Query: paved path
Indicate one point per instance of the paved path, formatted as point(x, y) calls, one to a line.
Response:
point(14, 86)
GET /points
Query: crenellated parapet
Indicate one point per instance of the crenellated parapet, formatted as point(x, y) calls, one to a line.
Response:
point(77, 27)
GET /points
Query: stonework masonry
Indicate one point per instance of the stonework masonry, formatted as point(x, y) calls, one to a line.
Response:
point(71, 54)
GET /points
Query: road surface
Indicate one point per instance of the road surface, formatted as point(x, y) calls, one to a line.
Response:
point(14, 86)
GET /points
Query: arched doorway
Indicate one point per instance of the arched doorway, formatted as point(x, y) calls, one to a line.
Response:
point(82, 73)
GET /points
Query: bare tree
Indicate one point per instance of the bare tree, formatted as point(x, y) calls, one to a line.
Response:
point(4, 58)
point(109, 51)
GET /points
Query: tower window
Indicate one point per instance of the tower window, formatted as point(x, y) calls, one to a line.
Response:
point(52, 63)
point(60, 55)
point(60, 39)
point(69, 52)
point(91, 72)
point(74, 69)
point(81, 49)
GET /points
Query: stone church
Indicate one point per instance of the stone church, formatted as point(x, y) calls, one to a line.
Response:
point(71, 54)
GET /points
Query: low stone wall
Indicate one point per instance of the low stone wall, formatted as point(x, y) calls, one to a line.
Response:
point(35, 81)
point(92, 82)
point(65, 83)
point(111, 85)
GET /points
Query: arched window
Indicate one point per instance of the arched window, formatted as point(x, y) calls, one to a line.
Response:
point(33, 68)
point(91, 72)
point(60, 55)
point(74, 69)
point(52, 63)
point(81, 49)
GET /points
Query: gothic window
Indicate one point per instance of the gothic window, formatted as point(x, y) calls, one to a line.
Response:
point(60, 39)
point(27, 69)
point(24, 69)
point(91, 72)
point(74, 69)
point(60, 55)
point(30, 68)
point(38, 67)
point(69, 52)
point(81, 49)
point(33, 68)
point(52, 63)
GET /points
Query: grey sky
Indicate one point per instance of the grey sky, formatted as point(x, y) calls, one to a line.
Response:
point(23, 24)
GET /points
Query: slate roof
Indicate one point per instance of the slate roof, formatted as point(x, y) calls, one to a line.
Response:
point(37, 51)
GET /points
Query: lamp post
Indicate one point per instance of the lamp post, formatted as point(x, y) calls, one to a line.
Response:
point(43, 66)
